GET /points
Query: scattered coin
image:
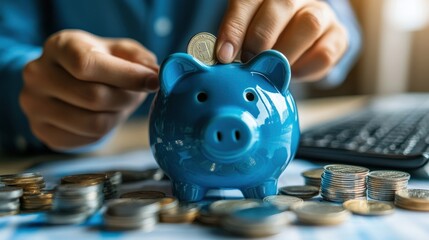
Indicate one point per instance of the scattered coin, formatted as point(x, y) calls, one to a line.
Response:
point(365, 207)
point(300, 191)
point(313, 176)
point(413, 199)
point(261, 221)
point(283, 202)
point(183, 214)
point(202, 47)
point(123, 214)
point(383, 184)
point(319, 213)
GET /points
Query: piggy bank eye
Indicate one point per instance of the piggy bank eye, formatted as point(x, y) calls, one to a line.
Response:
point(249, 95)
point(202, 97)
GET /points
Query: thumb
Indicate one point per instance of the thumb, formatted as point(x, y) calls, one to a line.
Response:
point(233, 28)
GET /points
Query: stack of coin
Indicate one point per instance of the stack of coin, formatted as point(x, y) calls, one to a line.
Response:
point(111, 181)
point(111, 184)
point(31, 183)
point(343, 182)
point(202, 47)
point(123, 214)
point(9, 200)
point(383, 184)
point(73, 203)
point(319, 213)
point(413, 199)
point(313, 176)
point(39, 202)
point(259, 221)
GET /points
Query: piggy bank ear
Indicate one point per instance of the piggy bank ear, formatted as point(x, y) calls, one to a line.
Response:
point(274, 66)
point(175, 67)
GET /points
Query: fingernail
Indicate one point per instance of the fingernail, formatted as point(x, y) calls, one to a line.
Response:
point(246, 56)
point(226, 53)
point(152, 83)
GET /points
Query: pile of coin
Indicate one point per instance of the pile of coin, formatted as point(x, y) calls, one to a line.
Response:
point(343, 182)
point(110, 180)
point(9, 200)
point(38, 202)
point(313, 177)
point(320, 213)
point(74, 203)
point(202, 47)
point(123, 214)
point(34, 197)
point(383, 184)
point(413, 199)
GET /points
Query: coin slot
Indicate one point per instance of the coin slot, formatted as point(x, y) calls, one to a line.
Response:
point(202, 97)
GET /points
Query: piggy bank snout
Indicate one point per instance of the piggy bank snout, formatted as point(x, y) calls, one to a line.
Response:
point(228, 136)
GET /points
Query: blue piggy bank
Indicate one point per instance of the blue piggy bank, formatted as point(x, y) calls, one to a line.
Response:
point(224, 126)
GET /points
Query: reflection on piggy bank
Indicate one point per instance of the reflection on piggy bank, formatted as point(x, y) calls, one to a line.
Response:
point(224, 126)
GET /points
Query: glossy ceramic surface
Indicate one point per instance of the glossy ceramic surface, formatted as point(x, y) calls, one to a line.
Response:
point(224, 126)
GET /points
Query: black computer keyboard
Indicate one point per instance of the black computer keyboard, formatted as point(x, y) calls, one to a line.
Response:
point(392, 132)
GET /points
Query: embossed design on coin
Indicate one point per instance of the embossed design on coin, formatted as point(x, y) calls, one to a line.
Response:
point(413, 199)
point(202, 47)
point(371, 208)
point(283, 202)
point(318, 213)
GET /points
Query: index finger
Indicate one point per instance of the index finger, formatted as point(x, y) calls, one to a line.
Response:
point(233, 28)
point(88, 63)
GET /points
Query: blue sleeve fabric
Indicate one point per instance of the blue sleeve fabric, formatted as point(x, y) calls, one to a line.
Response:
point(20, 41)
point(347, 17)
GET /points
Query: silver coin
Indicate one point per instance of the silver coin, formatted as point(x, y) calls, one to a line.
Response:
point(225, 207)
point(133, 207)
point(283, 202)
point(301, 191)
point(55, 217)
point(386, 175)
point(10, 192)
point(345, 169)
point(202, 47)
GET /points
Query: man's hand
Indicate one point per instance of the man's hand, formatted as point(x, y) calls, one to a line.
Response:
point(83, 86)
point(306, 31)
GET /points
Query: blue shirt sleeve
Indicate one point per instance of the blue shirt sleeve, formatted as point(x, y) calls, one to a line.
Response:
point(20, 41)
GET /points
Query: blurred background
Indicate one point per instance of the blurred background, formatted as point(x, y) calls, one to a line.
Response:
point(395, 51)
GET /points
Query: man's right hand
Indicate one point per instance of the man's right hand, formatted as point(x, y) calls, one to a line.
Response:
point(83, 86)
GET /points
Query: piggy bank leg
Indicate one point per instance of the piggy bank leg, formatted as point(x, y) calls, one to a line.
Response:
point(188, 192)
point(265, 189)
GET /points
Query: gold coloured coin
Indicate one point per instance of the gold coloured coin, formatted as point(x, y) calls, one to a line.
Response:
point(370, 208)
point(202, 47)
